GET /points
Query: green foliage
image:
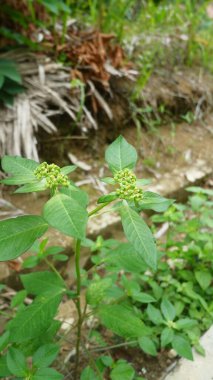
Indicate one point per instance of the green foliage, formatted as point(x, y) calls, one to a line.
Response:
point(35, 319)
point(47, 373)
point(43, 252)
point(139, 235)
point(182, 347)
point(120, 155)
point(155, 202)
point(10, 82)
point(147, 345)
point(45, 355)
point(42, 282)
point(129, 326)
point(21, 168)
point(131, 289)
point(17, 235)
point(16, 362)
point(66, 215)
point(122, 371)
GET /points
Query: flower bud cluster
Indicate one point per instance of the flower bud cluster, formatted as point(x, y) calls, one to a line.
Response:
point(128, 189)
point(52, 174)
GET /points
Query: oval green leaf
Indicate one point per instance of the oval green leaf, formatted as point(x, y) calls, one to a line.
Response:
point(120, 155)
point(17, 235)
point(182, 347)
point(66, 215)
point(139, 235)
point(154, 201)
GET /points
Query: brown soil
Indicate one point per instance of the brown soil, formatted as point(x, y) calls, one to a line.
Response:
point(170, 147)
point(160, 152)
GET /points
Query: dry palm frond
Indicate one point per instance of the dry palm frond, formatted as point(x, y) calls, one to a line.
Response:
point(48, 93)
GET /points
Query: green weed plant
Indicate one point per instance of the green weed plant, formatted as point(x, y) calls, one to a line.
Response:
point(132, 289)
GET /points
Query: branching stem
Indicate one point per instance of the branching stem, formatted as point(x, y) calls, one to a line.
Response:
point(98, 208)
point(78, 305)
point(81, 315)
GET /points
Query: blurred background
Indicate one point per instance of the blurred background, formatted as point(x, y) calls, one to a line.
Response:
point(72, 71)
point(76, 74)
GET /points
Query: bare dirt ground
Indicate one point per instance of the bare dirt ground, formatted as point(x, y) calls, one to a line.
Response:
point(171, 147)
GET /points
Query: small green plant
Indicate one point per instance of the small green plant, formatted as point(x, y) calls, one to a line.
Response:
point(41, 14)
point(189, 117)
point(175, 301)
point(66, 210)
point(76, 83)
point(10, 82)
point(150, 299)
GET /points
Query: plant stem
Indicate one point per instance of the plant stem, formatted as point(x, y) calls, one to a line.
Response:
point(98, 208)
point(78, 305)
point(113, 346)
point(81, 315)
point(53, 268)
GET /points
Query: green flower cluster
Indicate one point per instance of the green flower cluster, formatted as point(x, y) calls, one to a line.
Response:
point(128, 188)
point(52, 174)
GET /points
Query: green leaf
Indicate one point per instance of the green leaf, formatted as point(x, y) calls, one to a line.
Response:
point(6, 98)
point(1, 80)
point(106, 360)
point(4, 371)
point(156, 289)
point(32, 187)
point(108, 180)
point(19, 166)
point(143, 297)
point(139, 235)
point(204, 278)
point(143, 182)
point(125, 257)
point(42, 282)
point(97, 290)
point(200, 190)
point(200, 349)
point(120, 155)
point(68, 169)
point(35, 319)
point(19, 180)
point(167, 336)
point(61, 257)
point(154, 315)
point(18, 234)
point(4, 339)
point(147, 345)
point(54, 250)
point(8, 69)
point(168, 310)
point(45, 355)
point(13, 88)
point(88, 374)
point(16, 362)
point(122, 321)
point(51, 6)
point(18, 298)
point(154, 202)
point(66, 215)
point(47, 374)
point(43, 339)
point(107, 198)
point(186, 323)
point(30, 262)
point(182, 347)
point(122, 371)
point(77, 194)
point(195, 296)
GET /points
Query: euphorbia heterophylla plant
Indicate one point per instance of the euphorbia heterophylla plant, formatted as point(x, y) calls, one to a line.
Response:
point(32, 332)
